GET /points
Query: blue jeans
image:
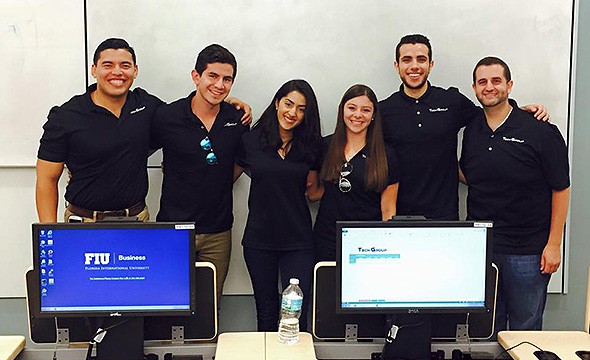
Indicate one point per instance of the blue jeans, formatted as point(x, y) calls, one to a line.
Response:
point(522, 292)
point(264, 267)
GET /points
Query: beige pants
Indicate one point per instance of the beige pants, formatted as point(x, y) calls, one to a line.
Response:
point(144, 215)
point(215, 248)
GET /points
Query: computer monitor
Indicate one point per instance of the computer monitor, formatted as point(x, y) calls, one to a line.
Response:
point(409, 270)
point(414, 267)
point(114, 269)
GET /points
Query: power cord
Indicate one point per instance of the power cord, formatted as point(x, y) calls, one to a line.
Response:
point(515, 346)
point(393, 329)
point(467, 331)
point(98, 336)
point(56, 339)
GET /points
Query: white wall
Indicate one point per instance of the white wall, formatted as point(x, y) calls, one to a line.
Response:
point(333, 44)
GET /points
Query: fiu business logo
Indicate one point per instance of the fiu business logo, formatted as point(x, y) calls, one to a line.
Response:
point(97, 258)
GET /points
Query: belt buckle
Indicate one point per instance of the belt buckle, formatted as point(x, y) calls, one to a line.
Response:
point(112, 213)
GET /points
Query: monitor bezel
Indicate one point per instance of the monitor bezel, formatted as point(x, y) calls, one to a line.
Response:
point(489, 286)
point(188, 226)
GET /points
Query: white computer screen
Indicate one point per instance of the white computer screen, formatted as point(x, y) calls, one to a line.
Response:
point(413, 267)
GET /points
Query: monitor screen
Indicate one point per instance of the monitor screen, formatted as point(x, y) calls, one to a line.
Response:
point(115, 269)
point(413, 267)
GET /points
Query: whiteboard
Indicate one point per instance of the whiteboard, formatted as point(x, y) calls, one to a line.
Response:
point(332, 44)
point(43, 62)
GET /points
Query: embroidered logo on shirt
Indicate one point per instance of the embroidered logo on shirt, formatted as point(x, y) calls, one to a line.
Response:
point(512, 139)
point(230, 124)
point(137, 110)
point(438, 109)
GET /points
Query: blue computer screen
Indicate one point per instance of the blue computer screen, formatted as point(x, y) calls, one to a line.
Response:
point(86, 270)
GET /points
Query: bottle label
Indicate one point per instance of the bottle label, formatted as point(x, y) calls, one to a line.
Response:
point(291, 304)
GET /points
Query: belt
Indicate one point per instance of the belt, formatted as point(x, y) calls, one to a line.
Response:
point(100, 215)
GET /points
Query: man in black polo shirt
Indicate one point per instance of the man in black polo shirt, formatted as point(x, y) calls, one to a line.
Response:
point(200, 135)
point(517, 174)
point(421, 122)
point(102, 136)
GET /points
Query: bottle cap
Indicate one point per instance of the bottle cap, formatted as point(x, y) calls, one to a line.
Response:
point(294, 281)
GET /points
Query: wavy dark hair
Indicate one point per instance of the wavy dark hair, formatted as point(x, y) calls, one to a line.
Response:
point(307, 135)
point(215, 53)
point(376, 172)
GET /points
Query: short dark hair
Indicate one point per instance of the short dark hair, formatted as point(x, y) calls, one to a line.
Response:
point(113, 43)
point(492, 60)
point(413, 39)
point(215, 53)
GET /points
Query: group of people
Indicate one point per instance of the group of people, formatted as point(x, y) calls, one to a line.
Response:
point(393, 157)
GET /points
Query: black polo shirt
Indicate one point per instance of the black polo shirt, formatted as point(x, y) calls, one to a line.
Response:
point(358, 204)
point(423, 133)
point(278, 217)
point(192, 189)
point(106, 155)
point(511, 173)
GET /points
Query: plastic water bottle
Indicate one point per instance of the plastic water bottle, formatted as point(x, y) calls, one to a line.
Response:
point(290, 312)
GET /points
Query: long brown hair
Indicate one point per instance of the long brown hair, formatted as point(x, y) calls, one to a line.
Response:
point(376, 172)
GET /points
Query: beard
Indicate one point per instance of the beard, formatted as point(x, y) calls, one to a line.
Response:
point(412, 86)
point(490, 103)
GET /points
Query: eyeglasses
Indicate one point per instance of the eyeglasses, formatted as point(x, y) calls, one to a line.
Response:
point(343, 183)
point(206, 145)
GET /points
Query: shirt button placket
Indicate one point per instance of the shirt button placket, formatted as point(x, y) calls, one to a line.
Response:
point(418, 113)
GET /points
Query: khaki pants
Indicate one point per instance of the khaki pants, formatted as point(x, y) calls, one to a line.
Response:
point(215, 248)
point(144, 215)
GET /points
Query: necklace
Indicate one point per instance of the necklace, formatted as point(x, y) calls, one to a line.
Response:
point(284, 149)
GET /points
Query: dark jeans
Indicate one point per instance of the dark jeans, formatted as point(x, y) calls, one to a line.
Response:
point(264, 267)
point(522, 292)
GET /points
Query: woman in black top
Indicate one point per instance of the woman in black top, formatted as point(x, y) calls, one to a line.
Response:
point(280, 155)
point(359, 173)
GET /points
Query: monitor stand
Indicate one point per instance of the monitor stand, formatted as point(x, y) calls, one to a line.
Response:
point(124, 341)
point(411, 340)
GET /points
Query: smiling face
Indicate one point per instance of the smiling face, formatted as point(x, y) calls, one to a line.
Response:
point(114, 72)
point(491, 87)
point(215, 83)
point(414, 66)
point(358, 114)
point(290, 111)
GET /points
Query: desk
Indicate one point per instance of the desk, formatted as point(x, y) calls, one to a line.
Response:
point(11, 346)
point(262, 346)
point(240, 345)
point(300, 351)
point(563, 343)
